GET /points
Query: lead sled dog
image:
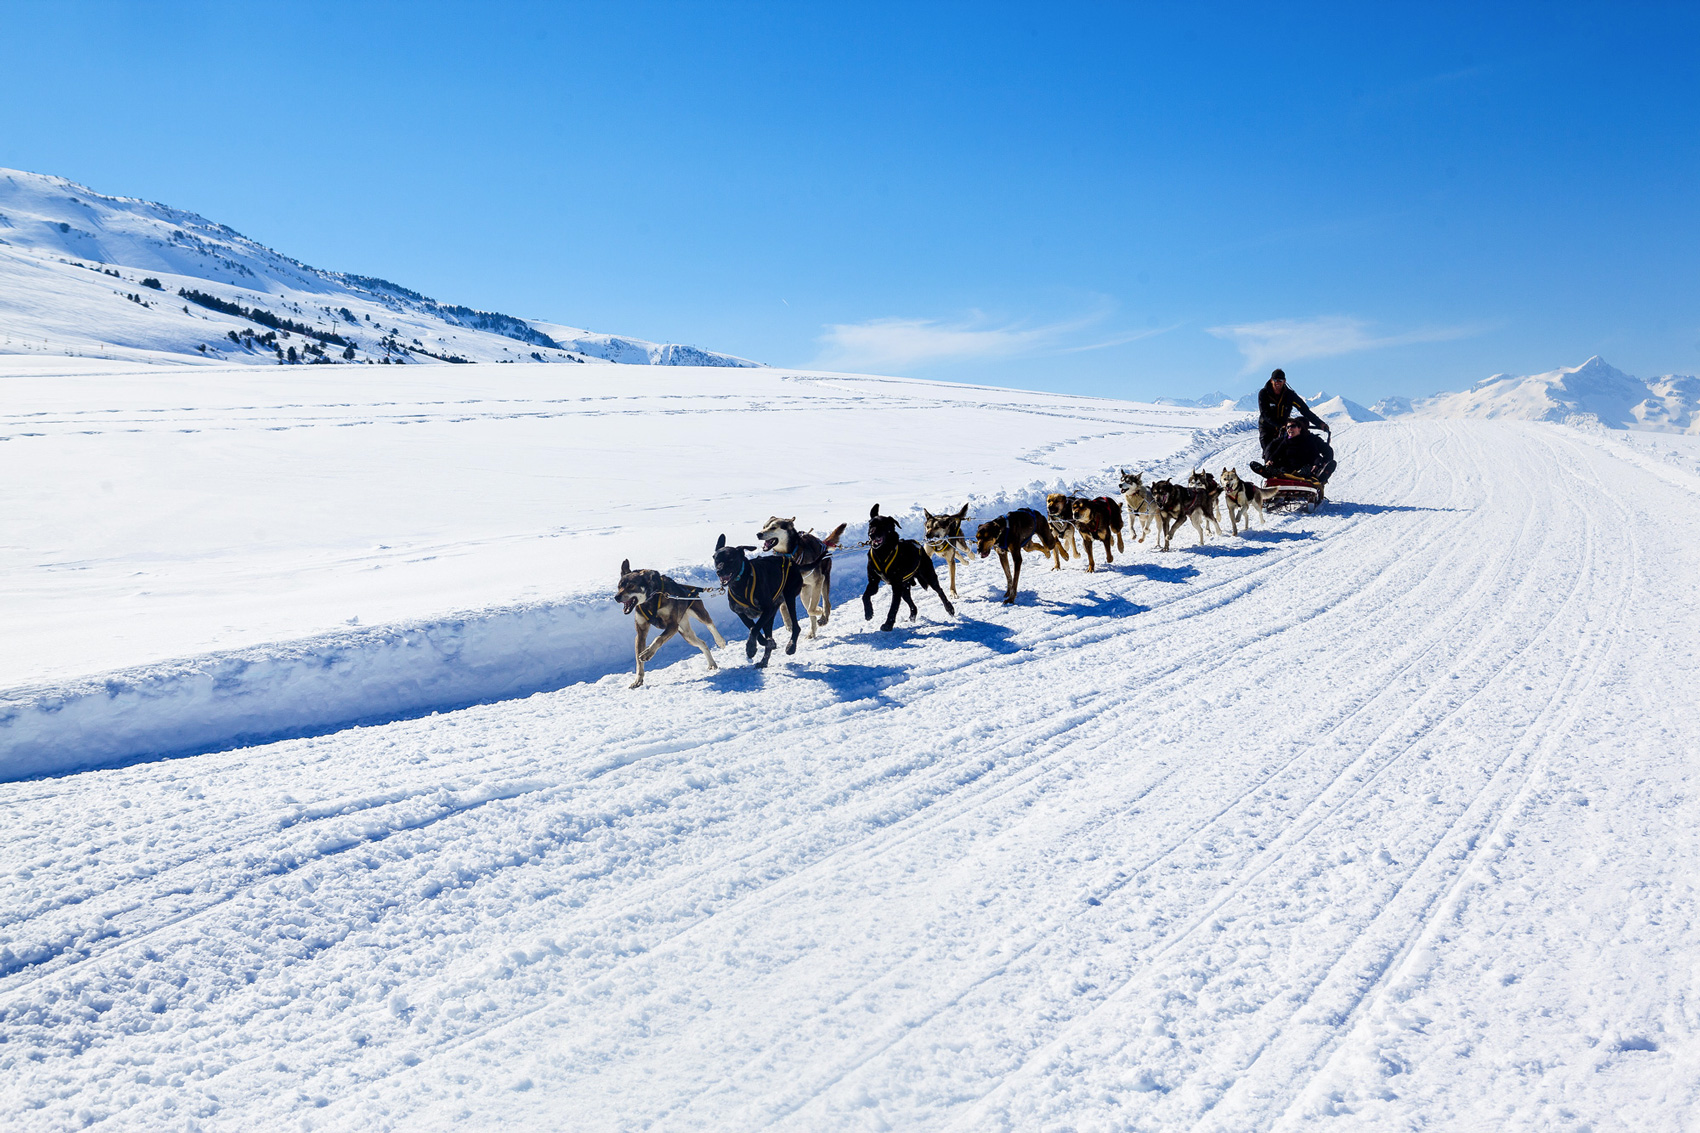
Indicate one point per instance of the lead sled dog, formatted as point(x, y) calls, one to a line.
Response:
point(656, 600)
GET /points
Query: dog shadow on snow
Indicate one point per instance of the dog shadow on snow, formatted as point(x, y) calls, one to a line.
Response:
point(964, 628)
point(1094, 606)
point(853, 682)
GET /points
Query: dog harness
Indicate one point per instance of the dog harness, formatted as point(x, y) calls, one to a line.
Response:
point(885, 567)
point(748, 598)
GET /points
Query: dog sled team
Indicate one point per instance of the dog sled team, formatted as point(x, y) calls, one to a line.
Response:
point(797, 564)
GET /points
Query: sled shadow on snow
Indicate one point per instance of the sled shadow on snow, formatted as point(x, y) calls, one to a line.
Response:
point(1346, 507)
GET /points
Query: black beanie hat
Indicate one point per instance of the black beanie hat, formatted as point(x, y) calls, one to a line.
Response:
point(1282, 374)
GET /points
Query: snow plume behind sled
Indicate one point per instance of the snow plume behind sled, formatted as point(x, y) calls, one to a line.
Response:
point(271, 692)
point(268, 692)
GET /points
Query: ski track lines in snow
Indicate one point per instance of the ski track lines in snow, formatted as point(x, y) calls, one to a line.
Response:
point(1383, 814)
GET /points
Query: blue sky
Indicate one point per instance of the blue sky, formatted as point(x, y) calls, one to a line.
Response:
point(1121, 200)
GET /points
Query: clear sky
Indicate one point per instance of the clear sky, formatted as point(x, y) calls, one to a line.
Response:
point(1125, 200)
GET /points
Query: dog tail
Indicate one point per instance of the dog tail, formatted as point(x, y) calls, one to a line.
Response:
point(831, 540)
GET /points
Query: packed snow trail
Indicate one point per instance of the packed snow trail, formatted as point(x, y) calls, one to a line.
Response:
point(1385, 813)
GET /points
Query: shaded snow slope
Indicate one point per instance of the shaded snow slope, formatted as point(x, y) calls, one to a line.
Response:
point(197, 555)
point(1593, 389)
point(1381, 818)
point(75, 267)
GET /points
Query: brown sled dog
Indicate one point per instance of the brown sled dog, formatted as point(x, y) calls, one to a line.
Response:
point(944, 537)
point(1061, 514)
point(1012, 534)
point(1212, 493)
point(813, 556)
point(899, 562)
point(1242, 497)
point(1099, 518)
point(657, 600)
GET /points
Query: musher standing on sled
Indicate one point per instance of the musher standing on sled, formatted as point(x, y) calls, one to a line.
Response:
point(1275, 403)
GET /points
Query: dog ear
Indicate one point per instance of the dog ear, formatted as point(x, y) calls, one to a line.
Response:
point(743, 548)
point(874, 512)
point(928, 514)
point(625, 566)
point(963, 514)
point(721, 544)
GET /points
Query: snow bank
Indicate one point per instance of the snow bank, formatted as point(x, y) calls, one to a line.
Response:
point(266, 692)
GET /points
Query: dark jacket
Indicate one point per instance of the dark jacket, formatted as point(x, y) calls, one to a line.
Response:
point(1273, 409)
point(1306, 453)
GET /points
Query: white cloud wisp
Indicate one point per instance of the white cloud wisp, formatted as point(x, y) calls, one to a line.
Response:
point(901, 344)
point(1280, 341)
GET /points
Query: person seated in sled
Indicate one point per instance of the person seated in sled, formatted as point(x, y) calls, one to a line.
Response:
point(1298, 452)
point(1276, 402)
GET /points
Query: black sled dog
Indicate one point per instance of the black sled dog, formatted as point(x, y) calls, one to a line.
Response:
point(659, 601)
point(899, 562)
point(757, 589)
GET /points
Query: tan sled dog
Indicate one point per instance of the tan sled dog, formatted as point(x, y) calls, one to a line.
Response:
point(813, 556)
point(659, 601)
point(1139, 506)
point(1061, 509)
point(1242, 497)
point(945, 537)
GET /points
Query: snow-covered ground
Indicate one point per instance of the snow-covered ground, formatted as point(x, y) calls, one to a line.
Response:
point(1380, 818)
point(194, 554)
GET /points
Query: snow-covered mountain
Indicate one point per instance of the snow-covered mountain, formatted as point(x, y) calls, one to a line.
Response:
point(1340, 408)
point(1594, 389)
point(85, 274)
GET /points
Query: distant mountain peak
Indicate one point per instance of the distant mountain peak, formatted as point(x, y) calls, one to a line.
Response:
point(1594, 389)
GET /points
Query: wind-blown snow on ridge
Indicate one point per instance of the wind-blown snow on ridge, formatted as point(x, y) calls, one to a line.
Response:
point(95, 276)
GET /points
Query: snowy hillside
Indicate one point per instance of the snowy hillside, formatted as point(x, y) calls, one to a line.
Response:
point(1593, 389)
point(1382, 818)
point(92, 276)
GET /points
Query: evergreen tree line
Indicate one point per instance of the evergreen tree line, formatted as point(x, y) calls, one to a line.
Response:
point(262, 316)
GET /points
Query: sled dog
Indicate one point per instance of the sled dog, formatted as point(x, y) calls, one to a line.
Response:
point(900, 562)
point(1139, 507)
point(1174, 506)
point(813, 556)
point(1061, 509)
point(945, 537)
point(1242, 497)
point(1010, 535)
point(1212, 493)
point(757, 589)
point(658, 601)
point(1099, 518)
